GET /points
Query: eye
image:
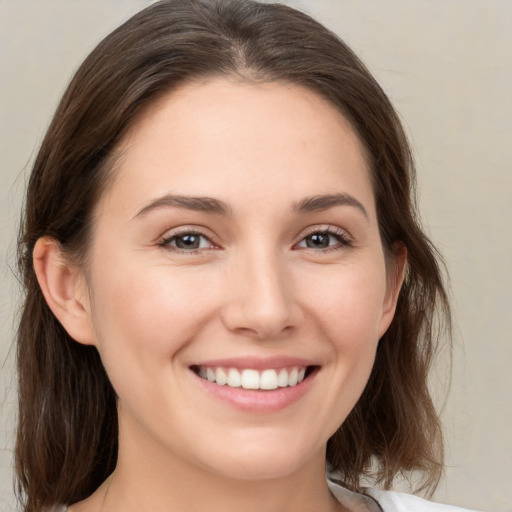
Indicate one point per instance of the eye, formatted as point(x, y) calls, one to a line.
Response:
point(324, 239)
point(187, 241)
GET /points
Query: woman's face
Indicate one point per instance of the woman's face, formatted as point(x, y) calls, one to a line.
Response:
point(238, 242)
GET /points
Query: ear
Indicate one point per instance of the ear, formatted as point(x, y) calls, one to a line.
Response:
point(396, 268)
point(64, 288)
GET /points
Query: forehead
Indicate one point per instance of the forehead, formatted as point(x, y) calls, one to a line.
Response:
point(204, 137)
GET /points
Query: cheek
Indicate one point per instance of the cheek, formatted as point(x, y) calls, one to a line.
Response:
point(349, 303)
point(145, 315)
point(344, 306)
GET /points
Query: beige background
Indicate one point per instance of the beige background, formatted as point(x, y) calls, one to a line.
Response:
point(447, 66)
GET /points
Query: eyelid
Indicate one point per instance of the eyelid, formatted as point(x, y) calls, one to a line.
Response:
point(344, 237)
point(165, 239)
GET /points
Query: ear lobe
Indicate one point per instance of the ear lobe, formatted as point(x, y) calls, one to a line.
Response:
point(396, 275)
point(63, 287)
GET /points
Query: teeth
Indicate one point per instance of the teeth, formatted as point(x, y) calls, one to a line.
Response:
point(282, 378)
point(220, 377)
point(268, 379)
point(252, 379)
point(234, 378)
point(293, 377)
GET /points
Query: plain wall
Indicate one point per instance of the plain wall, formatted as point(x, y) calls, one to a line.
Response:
point(447, 66)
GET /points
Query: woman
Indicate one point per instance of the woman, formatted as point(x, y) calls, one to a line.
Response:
point(226, 285)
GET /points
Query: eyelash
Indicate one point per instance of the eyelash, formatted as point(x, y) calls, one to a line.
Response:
point(166, 241)
point(343, 239)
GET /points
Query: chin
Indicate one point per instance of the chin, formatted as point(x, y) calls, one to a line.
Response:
point(253, 460)
point(259, 468)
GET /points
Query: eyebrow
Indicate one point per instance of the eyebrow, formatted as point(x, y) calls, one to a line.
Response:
point(324, 202)
point(215, 206)
point(198, 204)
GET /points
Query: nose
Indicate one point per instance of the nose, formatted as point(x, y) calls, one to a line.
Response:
point(261, 300)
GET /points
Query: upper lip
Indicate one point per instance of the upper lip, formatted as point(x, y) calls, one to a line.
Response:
point(256, 363)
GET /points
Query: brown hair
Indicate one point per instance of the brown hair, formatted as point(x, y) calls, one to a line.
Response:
point(67, 435)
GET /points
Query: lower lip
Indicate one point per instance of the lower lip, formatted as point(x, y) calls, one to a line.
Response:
point(257, 401)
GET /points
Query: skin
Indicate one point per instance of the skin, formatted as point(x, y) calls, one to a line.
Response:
point(254, 288)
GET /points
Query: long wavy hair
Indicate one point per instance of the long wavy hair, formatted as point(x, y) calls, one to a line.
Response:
point(67, 434)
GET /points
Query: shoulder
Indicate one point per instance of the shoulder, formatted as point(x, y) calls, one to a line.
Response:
point(386, 501)
point(392, 501)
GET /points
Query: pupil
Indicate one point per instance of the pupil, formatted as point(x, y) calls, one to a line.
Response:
point(187, 242)
point(318, 240)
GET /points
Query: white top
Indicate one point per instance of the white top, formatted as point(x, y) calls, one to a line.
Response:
point(374, 500)
point(387, 501)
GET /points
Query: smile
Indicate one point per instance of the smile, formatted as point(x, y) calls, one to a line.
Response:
point(249, 378)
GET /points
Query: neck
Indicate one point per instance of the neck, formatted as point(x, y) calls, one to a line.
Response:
point(148, 477)
point(214, 493)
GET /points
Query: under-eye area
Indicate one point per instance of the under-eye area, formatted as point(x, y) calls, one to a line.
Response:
point(249, 378)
